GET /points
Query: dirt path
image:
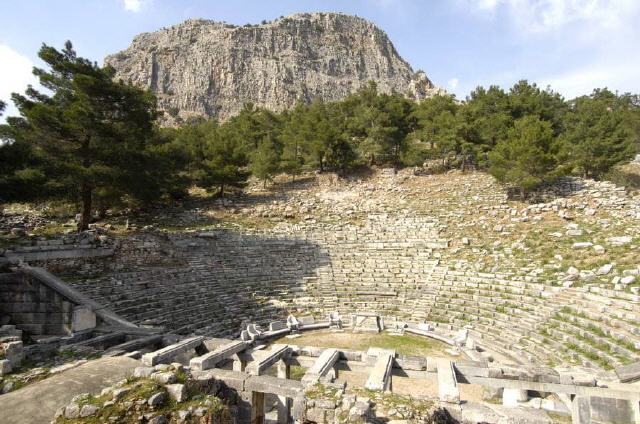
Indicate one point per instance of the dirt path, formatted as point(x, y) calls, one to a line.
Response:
point(38, 403)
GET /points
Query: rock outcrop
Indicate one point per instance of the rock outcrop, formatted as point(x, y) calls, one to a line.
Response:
point(207, 68)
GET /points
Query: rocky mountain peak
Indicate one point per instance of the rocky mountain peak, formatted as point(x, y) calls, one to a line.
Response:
point(206, 68)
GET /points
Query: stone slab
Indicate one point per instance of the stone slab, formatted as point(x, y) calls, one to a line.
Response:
point(166, 354)
point(274, 385)
point(321, 367)
point(629, 373)
point(380, 376)
point(213, 358)
point(447, 385)
point(82, 319)
point(265, 359)
point(233, 379)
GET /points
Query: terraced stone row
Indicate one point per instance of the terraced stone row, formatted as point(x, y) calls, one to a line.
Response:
point(522, 319)
point(235, 277)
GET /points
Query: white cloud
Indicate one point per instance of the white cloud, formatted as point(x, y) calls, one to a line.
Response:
point(135, 5)
point(541, 16)
point(572, 45)
point(453, 83)
point(15, 75)
point(486, 4)
point(583, 81)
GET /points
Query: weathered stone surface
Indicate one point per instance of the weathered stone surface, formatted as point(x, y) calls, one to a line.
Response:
point(207, 68)
point(265, 359)
point(157, 399)
point(83, 319)
point(447, 385)
point(5, 366)
point(233, 379)
point(278, 386)
point(178, 392)
point(164, 377)
point(629, 373)
point(72, 411)
point(380, 376)
point(88, 410)
point(166, 354)
point(211, 359)
point(323, 366)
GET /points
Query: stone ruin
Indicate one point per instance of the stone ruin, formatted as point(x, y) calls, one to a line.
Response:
point(222, 294)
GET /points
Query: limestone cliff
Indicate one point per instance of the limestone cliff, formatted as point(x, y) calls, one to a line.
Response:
point(207, 68)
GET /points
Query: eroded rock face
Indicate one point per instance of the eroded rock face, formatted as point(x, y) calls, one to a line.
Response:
point(207, 68)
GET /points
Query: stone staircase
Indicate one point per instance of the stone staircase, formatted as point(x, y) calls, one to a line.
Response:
point(388, 264)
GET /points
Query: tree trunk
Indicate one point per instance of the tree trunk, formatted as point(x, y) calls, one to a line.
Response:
point(85, 217)
point(221, 190)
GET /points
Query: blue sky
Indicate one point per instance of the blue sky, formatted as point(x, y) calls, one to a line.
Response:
point(573, 45)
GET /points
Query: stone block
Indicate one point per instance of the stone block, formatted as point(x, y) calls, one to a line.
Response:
point(232, 379)
point(514, 397)
point(211, 359)
point(380, 376)
point(275, 385)
point(322, 366)
point(178, 392)
point(629, 373)
point(277, 325)
point(581, 410)
point(612, 410)
point(14, 353)
point(82, 319)
point(5, 367)
point(168, 353)
point(266, 359)
point(143, 371)
point(366, 322)
point(447, 385)
point(307, 320)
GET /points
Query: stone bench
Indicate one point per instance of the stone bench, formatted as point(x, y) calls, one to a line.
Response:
point(322, 367)
point(380, 376)
point(166, 354)
point(447, 384)
point(213, 358)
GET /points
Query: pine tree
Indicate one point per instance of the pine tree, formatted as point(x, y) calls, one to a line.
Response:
point(378, 123)
point(92, 130)
point(265, 160)
point(225, 161)
point(436, 125)
point(528, 157)
point(597, 134)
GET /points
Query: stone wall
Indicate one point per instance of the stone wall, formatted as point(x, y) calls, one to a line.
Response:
point(385, 265)
point(33, 307)
point(37, 308)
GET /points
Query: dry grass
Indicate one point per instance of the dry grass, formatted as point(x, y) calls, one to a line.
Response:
point(407, 344)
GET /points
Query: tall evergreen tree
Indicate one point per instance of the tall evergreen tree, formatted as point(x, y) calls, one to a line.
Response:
point(225, 161)
point(527, 99)
point(597, 134)
point(436, 125)
point(528, 157)
point(291, 160)
point(92, 129)
point(379, 123)
point(265, 160)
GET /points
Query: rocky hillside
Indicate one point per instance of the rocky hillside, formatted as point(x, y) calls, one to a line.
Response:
point(207, 68)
